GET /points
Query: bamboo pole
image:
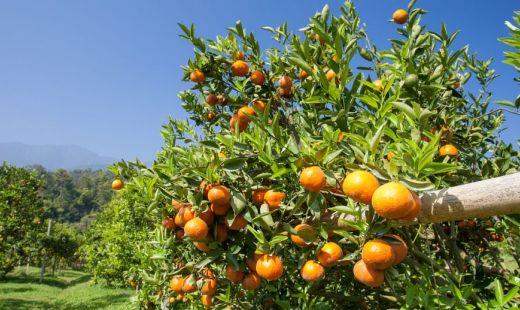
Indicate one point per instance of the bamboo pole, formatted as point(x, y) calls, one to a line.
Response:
point(497, 196)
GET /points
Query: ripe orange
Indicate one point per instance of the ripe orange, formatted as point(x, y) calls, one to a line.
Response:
point(308, 235)
point(204, 188)
point(220, 209)
point(378, 254)
point(190, 284)
point(179, 233)
point(448, 150)
point(212, 99)
point(183, 216)
point(207, 216)
point(274, 199)
point(196, 229)
point(181, 297)
point(329, 254)
point(259, 105)
point(400, 16)
point(222, 232)
point(312, 271)
point(390, 155)
point(285, 92)
point(177, 205)
point(234, 275)
point(235, 119)
point(209, 286)
point(398, 245)
point(117, 184)
point(415, 210)
point(392, 200)
point(303, 75)
point(285, 82)
point(368, 276)
point(239, 223)
point(210, 116)
point(202, 246)
point(176, 284)
point(207, 300)
point(168, 223)
point(330, 75)
point(244, 113)
point(313, 179)
point(360, 185)
point(239, 56)
point(240, 68)
point(257, 77)
point(219, 195)
point(269, 267)
point(223, 99)
point(258, 195)
point(197, 76)
point(251, 281)
point(252, 260)
point(378, 84)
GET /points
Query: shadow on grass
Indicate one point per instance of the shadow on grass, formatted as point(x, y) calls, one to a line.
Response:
point(15, 290)
point(103, 302)
point(33, 280)
point(23, 304)
point(79, 280)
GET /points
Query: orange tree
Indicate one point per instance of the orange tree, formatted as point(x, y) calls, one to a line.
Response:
point(286, 186)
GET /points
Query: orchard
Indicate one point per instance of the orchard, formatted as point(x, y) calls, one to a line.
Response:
point(296, 181)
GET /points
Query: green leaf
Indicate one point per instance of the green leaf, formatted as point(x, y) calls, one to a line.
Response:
point(234, 163)
point(499, 293)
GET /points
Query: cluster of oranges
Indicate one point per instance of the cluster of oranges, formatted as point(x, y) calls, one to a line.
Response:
point(185, 285)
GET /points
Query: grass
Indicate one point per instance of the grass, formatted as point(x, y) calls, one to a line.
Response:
point(67, 290)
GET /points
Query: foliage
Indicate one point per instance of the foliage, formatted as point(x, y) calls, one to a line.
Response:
point(513, 57)
point(340, 122)
point(109, 248)
point(61, 244)
point(21, 215)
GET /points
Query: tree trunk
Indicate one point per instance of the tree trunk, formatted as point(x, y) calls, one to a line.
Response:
point(497, 196)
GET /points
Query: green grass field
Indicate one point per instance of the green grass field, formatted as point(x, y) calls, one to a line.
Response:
point(67, 290)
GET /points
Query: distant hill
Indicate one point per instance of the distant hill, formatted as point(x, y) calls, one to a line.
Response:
point(53, 157)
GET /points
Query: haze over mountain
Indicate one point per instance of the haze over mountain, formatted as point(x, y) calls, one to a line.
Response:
point(53, 157)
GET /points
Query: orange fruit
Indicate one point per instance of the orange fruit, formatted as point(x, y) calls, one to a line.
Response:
point(168, 223)
point(176, 284)
point(303, 75)
point(400, 16)
point(220, 209)
point(258, 195)
point(212, 99)
point(235, 119)
point(448, 150)
point(415, 210)
point(177, 205)
point(392, 200)
point(171, 300)
point(313, 179)
point(390, 155)
point(202, 246)
point(208, 273)
point(360, 185)
point(239, 56)
point(223, 99)
point(329, 254)
point(190, 284)
point(245, 112)
point(181, 297)
point(285, 82)
point(251, 261)
point(378, 254)
point(251, 281)
point(219, 195)
point(222, 232)
point(378, 84)
point(269, 267)
point(257, 77)
point(196, 228)
point(398, 245)
point(183, 216)
point(259, 105)
point(209, 286)
point(179, 233)
point(368, 276)
point(197, 76)
point(240, 68)
point(204, 188)
point(234, 275)
point(207, 300)
point(207, 216)
point(312, 271)
point(274, 199)
point(330, 75)
point(210, 116)
point(117, 184)
point(341, 136)
point(308, 234)
point(285, 92)
point(239, 223)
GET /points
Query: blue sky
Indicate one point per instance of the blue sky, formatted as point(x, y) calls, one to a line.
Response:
point(104, 74)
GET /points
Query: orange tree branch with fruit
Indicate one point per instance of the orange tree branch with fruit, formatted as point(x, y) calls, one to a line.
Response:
point(282, 188)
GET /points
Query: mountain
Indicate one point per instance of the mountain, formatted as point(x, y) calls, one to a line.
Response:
point(53, 157)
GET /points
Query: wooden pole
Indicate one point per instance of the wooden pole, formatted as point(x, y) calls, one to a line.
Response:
point(497, 196)
point(42, 270)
